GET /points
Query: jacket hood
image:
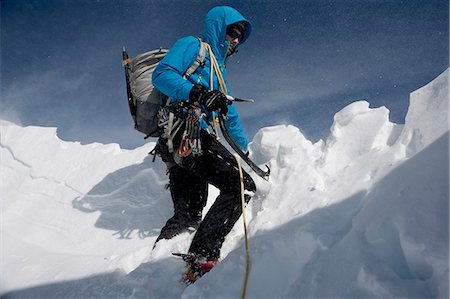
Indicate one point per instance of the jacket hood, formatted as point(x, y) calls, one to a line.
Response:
point(215, 27)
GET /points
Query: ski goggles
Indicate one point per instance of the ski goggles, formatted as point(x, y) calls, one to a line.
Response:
point(236, 31)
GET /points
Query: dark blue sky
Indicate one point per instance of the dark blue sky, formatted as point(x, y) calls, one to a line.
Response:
point(306, 60)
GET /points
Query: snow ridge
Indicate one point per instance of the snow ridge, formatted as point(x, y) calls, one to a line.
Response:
point(363, 213)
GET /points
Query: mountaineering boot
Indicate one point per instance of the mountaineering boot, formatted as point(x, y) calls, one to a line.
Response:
point(178, 224)
point(197, 269)
point(196, 266)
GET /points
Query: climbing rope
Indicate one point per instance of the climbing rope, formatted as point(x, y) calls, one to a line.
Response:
point(223, 87)
point(247, 255)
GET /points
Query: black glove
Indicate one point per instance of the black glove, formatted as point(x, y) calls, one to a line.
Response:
point(212, 99)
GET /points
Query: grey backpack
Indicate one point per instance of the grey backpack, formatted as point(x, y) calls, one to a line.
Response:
point(144, 100)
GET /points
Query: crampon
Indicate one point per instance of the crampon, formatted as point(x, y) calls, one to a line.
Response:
point(196, 266)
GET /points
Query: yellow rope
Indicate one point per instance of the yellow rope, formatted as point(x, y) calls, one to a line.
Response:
point(216, 68)
point(223, 88)
point(247, 255)
point(211, 87)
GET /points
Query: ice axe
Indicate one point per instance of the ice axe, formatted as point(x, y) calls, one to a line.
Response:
point(263, 174)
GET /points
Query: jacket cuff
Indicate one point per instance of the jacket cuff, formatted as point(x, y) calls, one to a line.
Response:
point(195, 93)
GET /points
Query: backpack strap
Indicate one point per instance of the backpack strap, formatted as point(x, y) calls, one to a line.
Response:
point(199, 60)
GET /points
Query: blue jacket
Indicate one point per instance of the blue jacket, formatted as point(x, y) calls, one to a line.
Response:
point(168, 75)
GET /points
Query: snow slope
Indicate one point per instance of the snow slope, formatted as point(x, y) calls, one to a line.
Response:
point(361, 214)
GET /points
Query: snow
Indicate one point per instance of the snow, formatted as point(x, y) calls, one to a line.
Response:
point(363, 213)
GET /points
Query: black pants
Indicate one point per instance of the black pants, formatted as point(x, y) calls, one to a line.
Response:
point(189, 194)
point(188, 185)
